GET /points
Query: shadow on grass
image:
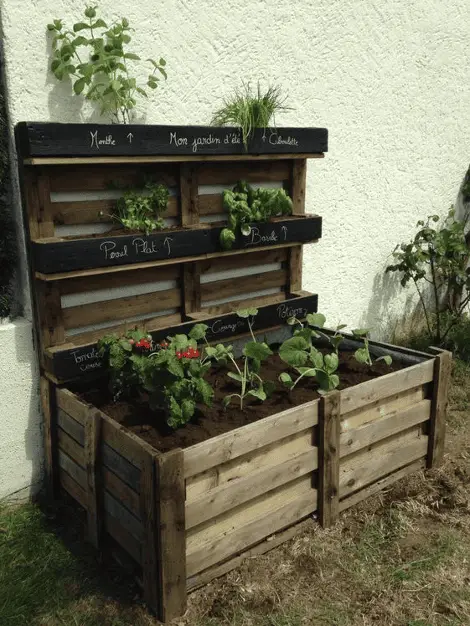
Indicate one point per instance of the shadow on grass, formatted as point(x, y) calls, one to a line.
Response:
point(50, 576)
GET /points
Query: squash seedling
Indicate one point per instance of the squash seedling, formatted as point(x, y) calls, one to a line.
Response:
point(248, 376)
point(362, 355)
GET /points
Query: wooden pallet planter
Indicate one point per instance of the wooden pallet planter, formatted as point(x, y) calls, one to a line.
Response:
point(202, 509)
point(189, 515)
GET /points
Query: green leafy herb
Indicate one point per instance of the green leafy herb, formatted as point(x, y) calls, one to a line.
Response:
point(143, 211)
point(362, 355)
point(94, 56)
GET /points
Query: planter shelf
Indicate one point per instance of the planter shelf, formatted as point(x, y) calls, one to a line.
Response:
point(186, 516)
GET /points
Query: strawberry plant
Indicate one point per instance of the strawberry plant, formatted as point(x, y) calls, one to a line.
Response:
point(362, 354)
point(246, 205)
point(248, 375)
point(94, 56)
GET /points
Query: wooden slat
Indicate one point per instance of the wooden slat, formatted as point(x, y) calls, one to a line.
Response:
point(72, 405)
point(298, 184)
point(247, 260)
point(211, 204)
point(73, 489)
point(437, 431)
point(94, 483)
point(386, 386)
point(223, 448)
point(125, 517)
point(368, 434)
point(249, 524)
point(45, 221)
point(94, 283)
point(121, 308)
point(243, 303)
point(167, 159)
point(30, 190)
point(361, 469)
point(121, 492)
point(74, 470)
point(243, 285)
point(381, 484)
point(189, 194)
point(50, 437)
point(71, 213)
point(149, 323)
point(295, 268)
point(171, 535)
point(264, 459)
point(120, 466)
point(49, 309)
point(382, 408)
point(220, 174)
point(191, 290)
point(328, 448)
point(232, 494)
point(273, 541)
point(71, 447)
point(123, 537)
point(125, 443)
point(73, 428)
point(149, 516)
point(104, 178)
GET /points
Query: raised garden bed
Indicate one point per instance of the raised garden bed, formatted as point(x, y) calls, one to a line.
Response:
point(188, 515)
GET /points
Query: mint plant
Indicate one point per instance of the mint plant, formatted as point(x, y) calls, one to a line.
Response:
point(246, 205)
point(248, 376)
point(362, 355)
point(143, 211)
point(94, 56)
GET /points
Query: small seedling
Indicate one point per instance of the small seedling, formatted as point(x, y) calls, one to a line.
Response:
point(362, 355)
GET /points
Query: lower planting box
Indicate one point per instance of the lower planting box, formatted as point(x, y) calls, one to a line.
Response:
point(189, 515)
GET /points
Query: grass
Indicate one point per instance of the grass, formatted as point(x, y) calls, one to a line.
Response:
point(401, 558)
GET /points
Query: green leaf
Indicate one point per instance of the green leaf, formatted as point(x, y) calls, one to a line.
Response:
point(293, 351)
point(80, 26)
point(163, 73)
point(226, 401)
point(260, 394)
point(285, 378)
point(257, 350)
point(204, 390)
point(90, 11)
point(235, 376)
point(131, 55)
point(361, 332)
point(316, 358)
point(291, 321)
point(341, 326)
point(331, 362)
point(162, 61)
point(188, 407)
point(245, 230)
point(362, 355)
point(246, 313)
point(79, 85)
point(180, 343)
point(175, 417)
point(142, 92)
point(227, 236)
point(387, 358)
point(316, 319)
point(307, 371)
point(175, 367)
point(198, 331)
point(269, 387)
point(79, 41)
point(99, 24)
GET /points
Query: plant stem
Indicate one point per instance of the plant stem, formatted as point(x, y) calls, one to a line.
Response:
point(251, 329)
point(436, 300)
point(428, 324)
point(312, 369)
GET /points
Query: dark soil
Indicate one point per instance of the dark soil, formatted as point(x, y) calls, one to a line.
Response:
point(212, 421)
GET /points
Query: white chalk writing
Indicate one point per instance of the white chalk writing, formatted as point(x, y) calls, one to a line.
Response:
point(284, 311)
point(97, 142)
point(278, 140)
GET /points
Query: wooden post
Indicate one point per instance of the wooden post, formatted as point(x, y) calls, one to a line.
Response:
point(189, 195)
point(94, 486)
point(191, 288)
point(50, 437)
point(437, 428)
point(297, 191)
point(328, 458)
point(171, 535)
point(149, 516)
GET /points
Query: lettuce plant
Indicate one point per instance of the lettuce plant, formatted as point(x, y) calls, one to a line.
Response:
point(246, 205)
point(248, 375)
point(143, 211)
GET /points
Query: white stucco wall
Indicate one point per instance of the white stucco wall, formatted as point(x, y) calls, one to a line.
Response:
point(389, 78)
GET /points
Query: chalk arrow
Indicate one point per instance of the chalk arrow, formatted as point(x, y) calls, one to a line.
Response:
point(130, 136)
point(167, 242)
point(284, 232)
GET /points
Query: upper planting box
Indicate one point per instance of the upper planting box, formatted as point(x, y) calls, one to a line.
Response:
point(80, 140)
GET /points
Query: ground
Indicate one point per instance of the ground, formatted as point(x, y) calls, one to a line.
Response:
point(400, 558)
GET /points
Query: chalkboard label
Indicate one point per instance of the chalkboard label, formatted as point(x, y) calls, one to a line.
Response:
point(79, 362)
point(88, 140)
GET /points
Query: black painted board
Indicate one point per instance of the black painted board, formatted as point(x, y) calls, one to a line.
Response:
point(37, 139)
point(79, 362)
point(92, 252)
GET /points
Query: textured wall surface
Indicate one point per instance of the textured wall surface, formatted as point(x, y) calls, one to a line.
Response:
point(389, 78)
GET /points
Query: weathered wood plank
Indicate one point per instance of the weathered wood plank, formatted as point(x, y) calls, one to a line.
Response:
point(189, 187)
point(49, 310)
point(361, 469)
point(228, 446)
point(191, 281)
point(243, 285)
point(72, 405)
point(171, 534)
point(298, 184)
point(94, 482)
point(123, 537)
point(128, 445)
point(368, 434)
point(71, 447)
point(44, 214)
point(73, 489)
point(295, 268)
point(254, 172)
point(232, 494)
point(124, 517)
point(276, 515)
point(249, 259)
point(50, 437)
point(74, 470)
point(121, 491)
point(386, 386)
point(381, 484)
point(72, 427)
point(149, 516)
point(38, 161)
point(328, 447)
point(437, 431)
point(123, 469)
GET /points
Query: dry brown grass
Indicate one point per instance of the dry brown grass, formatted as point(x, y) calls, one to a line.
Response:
point(401, 558)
